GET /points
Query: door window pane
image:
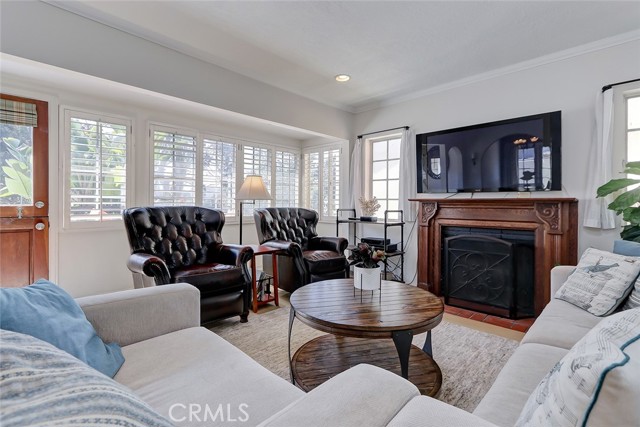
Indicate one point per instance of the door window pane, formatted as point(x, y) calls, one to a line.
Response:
point(16, 165)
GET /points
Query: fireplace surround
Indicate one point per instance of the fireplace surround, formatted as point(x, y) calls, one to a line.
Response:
point(553, 222)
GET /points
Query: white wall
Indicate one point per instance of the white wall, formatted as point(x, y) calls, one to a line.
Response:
point(69, 41)
point(569, 85)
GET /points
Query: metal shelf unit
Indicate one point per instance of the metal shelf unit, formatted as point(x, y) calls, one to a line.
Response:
point(395, 260)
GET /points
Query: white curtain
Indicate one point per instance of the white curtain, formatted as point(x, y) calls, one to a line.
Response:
point(408, 175)
point(596, 213)
point(356, 178)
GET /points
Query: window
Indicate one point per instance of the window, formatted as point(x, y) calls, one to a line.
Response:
point(174, 168)
point(97, 167)
point(633, 128)
point(330, 182)
point(321, 180)
point(385, 173)
point(257, 161)
point(287, 178)
point(219, 175)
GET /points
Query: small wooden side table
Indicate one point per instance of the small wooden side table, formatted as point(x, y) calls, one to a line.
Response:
point(264, 250)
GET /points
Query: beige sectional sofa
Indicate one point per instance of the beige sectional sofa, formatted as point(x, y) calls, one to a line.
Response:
point(180, 369)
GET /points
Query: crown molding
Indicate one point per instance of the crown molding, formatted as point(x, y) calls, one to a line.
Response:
point(521, 66)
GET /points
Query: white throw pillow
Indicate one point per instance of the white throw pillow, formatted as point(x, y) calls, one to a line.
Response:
point(634, 299)
point(601, 281)
point(597, 383)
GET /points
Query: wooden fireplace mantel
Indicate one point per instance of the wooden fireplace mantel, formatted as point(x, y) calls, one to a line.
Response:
point(554, 222)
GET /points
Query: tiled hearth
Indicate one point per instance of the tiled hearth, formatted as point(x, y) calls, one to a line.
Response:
point(520, 325)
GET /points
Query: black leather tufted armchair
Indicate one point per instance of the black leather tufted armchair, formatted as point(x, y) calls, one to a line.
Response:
point(184, 244)
point(305, 257)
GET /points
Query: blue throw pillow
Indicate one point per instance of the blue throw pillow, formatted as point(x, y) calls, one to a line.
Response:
point(45, 311)
point(626, 247)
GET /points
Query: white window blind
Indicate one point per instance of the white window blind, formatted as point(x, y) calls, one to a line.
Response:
point(257, 161)
point(174, 168)
point(330, 182)
point(311, 181)
point(97, 168)
point(287, 178)
point(219, 175)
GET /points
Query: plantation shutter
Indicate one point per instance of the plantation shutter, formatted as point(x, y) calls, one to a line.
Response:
point(219, 175)
point(257, 161)
point(18, 113)
point(98, 169)
point(287, 178)
point(174, 169)
point(330, 182)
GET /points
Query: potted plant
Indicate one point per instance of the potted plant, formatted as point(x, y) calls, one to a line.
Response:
point(366, 271)
point(626, 204)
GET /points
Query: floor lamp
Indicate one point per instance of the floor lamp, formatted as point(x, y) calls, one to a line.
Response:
point(253, 189)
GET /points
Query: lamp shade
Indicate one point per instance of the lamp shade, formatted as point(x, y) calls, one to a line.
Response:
point(253, 188)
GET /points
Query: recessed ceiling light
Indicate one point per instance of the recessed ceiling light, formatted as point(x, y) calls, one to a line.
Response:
point(343, 78)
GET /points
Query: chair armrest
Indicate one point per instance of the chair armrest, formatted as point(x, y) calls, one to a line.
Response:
point(135, 315)
point(293, 250)
point(559, 275)
point(237, 255)
point(423, 411)
point(150, 265)
point(335, 244)
point(361, 396)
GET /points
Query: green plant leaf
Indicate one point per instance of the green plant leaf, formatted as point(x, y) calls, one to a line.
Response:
point(17, 182)
point(634, 165)
point(630, 232)
point(631, 215)
point(615, 185)
point(625, 200)
point(632, 171)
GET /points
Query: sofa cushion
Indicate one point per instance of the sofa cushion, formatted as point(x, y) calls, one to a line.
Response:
point(364, 395)
point(194, 366)
point(596, 383)
point(44, 386)
point(423, 409)
point(45, 311)
point(520, 376)
point(601, 281)
point(561, 324)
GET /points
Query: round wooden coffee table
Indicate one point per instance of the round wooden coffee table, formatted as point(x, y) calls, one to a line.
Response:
point(352, 319)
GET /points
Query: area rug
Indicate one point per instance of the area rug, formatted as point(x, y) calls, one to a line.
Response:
point(470, 360)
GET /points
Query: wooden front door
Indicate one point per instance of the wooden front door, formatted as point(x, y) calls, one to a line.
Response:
point(24, 196)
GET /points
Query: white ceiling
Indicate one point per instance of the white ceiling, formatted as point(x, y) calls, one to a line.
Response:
point(392, 49)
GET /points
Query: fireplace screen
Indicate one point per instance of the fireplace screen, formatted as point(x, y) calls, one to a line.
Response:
point(489, 272)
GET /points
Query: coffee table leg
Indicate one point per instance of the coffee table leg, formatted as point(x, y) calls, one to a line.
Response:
point(292, 316)
point(427, 345)
point(402, 340)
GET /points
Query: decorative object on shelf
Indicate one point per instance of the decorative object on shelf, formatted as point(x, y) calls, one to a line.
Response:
point(366, 271)
point(626, 202)
point(369, 208)
point(253, 189)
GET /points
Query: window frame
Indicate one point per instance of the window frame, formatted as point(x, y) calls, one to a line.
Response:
point(368, 169)
point(200, 136)
point(343, 173)
point(65, 150)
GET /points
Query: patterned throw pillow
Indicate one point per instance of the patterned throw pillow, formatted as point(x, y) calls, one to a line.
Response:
point(625, 247)
point(596, 384)
point(601, 281)
point(43, 385)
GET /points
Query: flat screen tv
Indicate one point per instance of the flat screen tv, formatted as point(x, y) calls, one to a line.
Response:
point(521, 154)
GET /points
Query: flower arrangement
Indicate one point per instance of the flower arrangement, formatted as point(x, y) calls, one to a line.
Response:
point(365, 256)
point(369, 206)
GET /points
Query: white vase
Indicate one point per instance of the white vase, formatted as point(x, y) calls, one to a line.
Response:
point(367, 279)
